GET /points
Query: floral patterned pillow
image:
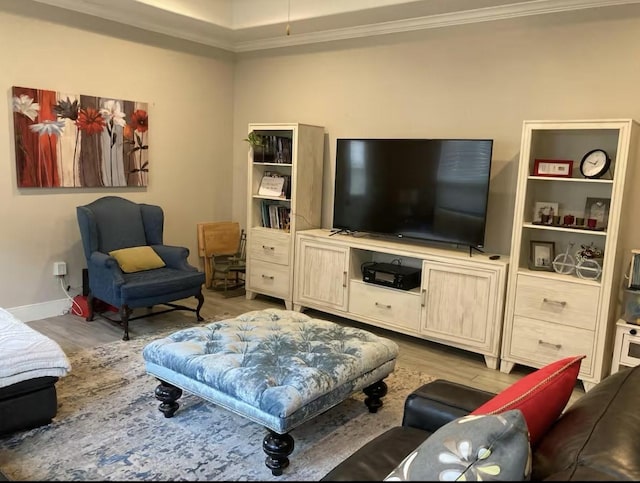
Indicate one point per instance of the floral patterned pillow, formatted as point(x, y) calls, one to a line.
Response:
point(471, 448)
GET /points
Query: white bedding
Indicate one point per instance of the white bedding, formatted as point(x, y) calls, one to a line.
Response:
point(26, 353)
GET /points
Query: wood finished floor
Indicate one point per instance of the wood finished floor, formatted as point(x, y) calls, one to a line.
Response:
point(73, 333)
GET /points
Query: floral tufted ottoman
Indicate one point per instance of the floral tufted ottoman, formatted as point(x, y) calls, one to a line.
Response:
point(278, 368)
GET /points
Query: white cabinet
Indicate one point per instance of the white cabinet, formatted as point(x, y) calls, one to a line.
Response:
point(626, 351)
point(321, 274)
point(292, 154)
point(460, 304)
point(550, 314)
point(459, 301)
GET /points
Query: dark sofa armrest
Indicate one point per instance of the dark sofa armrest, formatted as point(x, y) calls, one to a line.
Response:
point(436, 403)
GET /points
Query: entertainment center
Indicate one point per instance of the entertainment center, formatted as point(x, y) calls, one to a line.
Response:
point(396, 201)
point(459, 301)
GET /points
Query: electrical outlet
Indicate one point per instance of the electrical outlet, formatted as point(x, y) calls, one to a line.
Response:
point(59, 268)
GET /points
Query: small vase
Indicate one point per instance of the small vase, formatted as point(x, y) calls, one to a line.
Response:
point(258, 153)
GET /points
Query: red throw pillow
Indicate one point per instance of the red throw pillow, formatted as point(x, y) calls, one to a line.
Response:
point(541, 396)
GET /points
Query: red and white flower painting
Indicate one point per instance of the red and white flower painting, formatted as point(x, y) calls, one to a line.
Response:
point(70, 140)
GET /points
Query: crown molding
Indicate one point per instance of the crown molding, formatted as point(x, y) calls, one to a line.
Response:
point(536, 7)
point(150, 18)
point(196, 30)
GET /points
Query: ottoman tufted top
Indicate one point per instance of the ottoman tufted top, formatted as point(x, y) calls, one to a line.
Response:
point(274, 360)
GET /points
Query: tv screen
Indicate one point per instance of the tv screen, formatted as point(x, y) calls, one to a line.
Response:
point(428, 189)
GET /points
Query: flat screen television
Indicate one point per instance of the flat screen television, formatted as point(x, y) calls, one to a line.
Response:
point(426, 189)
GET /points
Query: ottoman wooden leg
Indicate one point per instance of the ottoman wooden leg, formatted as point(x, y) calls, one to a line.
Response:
point(168, 394)
point(277, 447)
point(375, 392)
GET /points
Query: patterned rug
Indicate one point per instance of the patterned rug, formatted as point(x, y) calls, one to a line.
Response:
point(108, 427)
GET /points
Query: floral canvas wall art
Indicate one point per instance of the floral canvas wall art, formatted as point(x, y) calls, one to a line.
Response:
point(70, 140)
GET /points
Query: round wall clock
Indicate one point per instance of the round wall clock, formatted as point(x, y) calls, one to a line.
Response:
point(595, 163)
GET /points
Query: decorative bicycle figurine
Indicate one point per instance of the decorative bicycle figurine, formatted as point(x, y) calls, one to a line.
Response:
point(585, 264)
point(564, 263)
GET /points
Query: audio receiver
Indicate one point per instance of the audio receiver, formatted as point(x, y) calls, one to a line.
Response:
point(391, 275)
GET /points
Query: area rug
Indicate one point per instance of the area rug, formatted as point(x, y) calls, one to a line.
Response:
point(108, 427)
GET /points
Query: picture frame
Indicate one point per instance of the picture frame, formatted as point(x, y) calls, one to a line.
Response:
point(74, 140)
point(541, 255)
point(598, 209)
point(556, 168)
point(544, 211)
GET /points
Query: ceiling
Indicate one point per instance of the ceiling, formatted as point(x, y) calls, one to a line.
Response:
point(249, 25)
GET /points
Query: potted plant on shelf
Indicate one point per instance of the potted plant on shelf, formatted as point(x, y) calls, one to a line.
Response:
point(258, 145)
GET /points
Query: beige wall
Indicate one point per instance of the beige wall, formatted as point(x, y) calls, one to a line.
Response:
point(190, 112)
point(476, 81)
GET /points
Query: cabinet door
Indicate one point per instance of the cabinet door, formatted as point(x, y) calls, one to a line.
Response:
point(321, 274)
point(458, 304)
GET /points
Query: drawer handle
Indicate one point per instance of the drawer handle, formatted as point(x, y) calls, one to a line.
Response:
point(265, 247)
point(549, 344)
point(268, 277)
point(384, 306)
point(555, 302)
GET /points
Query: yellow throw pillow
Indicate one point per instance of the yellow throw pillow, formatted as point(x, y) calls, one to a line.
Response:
point(136, 259)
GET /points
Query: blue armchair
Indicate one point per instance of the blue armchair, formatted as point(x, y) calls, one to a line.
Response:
point(112, 223)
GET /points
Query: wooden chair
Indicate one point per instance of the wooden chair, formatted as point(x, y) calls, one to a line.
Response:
point(229, 270)
point(222, 246)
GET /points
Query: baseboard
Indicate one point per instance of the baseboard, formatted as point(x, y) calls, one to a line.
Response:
point(52, 308)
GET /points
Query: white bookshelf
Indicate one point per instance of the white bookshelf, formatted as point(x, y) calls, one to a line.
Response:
point(271, 235)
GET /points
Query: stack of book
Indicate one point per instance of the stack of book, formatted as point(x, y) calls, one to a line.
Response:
point(275, 216)
point(277, 149)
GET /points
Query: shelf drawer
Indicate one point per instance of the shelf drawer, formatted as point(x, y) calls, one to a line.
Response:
point(543, 342)
point(269, 278)
point(557, 301)
point(272, 246)
point(393, 307)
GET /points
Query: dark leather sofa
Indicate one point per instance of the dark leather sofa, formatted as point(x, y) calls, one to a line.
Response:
point(596, 438)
